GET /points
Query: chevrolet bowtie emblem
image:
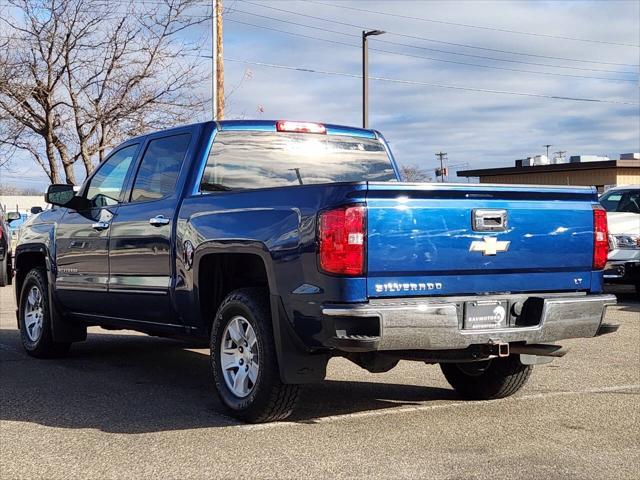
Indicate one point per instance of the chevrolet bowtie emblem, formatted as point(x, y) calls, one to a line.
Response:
point(489, 246)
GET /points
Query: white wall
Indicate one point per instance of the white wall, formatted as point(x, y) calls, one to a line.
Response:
point(24, 202)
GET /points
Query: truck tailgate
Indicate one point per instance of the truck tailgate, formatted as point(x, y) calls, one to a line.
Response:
point(424, 239)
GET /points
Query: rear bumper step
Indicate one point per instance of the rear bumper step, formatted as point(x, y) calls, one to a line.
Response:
point(436, 324)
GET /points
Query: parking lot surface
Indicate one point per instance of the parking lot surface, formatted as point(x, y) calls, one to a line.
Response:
point(124, 405)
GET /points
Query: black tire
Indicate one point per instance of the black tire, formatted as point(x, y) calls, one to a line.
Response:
point(269, 399)
point(4, 271)
point(43, 346)
point(487, 380)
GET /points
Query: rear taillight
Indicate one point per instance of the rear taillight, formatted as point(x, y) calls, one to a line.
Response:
point(600, 238)
point(341, 235)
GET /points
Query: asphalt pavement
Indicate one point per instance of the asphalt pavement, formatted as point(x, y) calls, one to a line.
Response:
point(124, 405)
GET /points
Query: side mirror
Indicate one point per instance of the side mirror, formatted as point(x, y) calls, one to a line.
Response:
point(59, 194)
point(11, 216)
point(35, 210)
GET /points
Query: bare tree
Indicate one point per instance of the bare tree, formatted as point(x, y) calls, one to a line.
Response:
point(411, 173)
point(30, 74)
point(80, 76)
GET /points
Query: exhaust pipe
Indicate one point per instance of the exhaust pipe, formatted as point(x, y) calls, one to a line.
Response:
point(540, 350)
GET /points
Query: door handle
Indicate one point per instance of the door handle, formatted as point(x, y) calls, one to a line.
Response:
point(159, 221)
point(99, 226)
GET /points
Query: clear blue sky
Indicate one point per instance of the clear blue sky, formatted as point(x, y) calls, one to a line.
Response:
point(479, 128)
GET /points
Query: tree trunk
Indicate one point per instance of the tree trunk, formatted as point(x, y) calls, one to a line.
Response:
point(54, 173)
point(69, 174)
point(86, 160)
point(67, 163)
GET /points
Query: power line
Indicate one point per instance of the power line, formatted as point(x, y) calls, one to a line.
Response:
point(448, 52)
point(511, 52)
point(346, 24)
point(337, 22)
point(428, 84)
point(403, 35)
point(482, 27)
point(427, 58)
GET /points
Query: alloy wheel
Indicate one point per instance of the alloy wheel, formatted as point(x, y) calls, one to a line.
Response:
point(34, 314)
point(239, 356)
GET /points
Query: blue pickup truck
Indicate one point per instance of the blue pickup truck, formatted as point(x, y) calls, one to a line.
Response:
point(283, 244)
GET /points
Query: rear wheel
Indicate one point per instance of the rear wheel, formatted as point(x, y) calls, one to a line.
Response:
point(244, 361)
point(489, 379)
point(35, 317)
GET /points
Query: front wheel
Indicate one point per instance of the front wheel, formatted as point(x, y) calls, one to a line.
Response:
point(489, 379)
point(244, 360)
point(35, 317)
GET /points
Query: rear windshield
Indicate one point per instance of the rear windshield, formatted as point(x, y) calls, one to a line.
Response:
point(246, 159)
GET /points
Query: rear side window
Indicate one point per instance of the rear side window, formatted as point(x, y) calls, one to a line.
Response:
point(248, 159)
point(160, 167)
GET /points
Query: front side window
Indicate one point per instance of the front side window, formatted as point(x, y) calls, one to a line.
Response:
point(106, 185)
point(252, 159)
point(160, 167)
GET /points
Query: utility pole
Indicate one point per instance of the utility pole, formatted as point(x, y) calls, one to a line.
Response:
point(559, 155)
point(365, 75)
point(442, 156)
point(547, 147)
point(217, 77)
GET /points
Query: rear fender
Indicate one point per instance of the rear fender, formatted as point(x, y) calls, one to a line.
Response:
point(297, 365)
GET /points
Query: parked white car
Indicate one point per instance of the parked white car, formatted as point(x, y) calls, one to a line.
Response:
point(623, 214)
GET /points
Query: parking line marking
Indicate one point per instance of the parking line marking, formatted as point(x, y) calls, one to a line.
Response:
point(423, 407)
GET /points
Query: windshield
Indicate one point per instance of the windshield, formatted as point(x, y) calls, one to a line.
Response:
point(621, 201)
point(248, 159)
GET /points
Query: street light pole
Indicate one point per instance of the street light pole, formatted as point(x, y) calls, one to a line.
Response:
point(365, 75)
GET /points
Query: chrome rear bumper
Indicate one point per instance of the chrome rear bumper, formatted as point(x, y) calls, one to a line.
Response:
point(436, 323)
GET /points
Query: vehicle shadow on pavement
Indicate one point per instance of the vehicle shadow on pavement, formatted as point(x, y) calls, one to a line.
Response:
point(629, 302)
point(628, 298)
point(139, 384)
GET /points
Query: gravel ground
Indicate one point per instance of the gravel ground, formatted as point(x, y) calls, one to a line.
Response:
point(126, 405)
